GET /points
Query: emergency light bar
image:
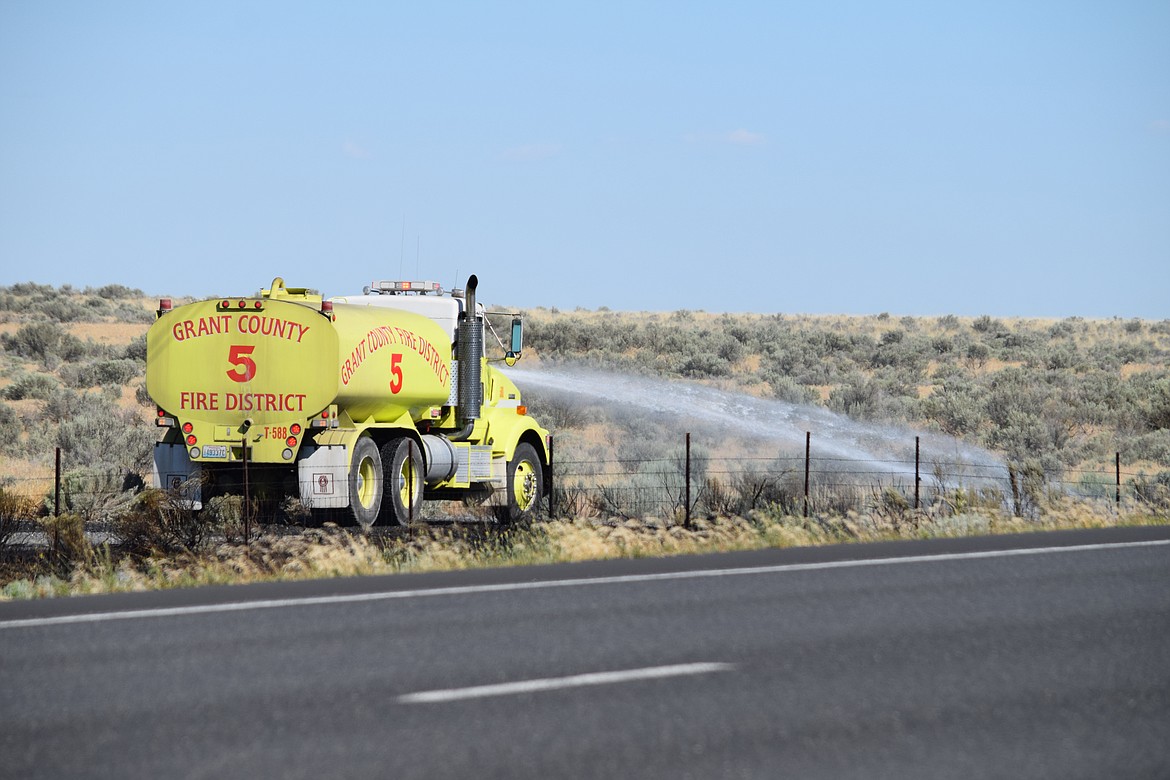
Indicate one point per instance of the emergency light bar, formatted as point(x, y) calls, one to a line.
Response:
point(393, 287)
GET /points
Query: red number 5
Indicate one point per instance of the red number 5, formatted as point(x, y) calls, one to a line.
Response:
point(238, 357)
point(396, 373)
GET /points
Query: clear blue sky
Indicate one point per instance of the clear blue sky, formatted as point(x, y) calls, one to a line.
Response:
point(1004, 158)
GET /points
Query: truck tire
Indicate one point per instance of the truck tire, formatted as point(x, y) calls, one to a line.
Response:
point(365, 482)
point(525, 486)
point(403, 486)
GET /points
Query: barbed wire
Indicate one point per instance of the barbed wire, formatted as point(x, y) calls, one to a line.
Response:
point(643, 482)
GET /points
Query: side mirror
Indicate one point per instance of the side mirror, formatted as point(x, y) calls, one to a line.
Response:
point(517, 345)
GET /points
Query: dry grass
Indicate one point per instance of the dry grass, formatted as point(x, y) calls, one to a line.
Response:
point(333, 552)
point(118, 333)
point(1131, 369)
point(26, 477)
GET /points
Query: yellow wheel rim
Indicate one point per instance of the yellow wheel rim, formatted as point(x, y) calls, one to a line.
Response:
point(406, 489)
point(524, 485)
point(366, 482)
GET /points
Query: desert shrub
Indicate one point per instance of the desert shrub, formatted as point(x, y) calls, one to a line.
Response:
point(93, 431)
point(117, 373)
point(66, 310)
point(225, 514)
point(634, 453)
point(14, 298)
point(1015, 390)
point(1064, 329)
point(130, 312)
point(880, 397)
point(1018, 344)
point(737, 329)
point(95, 494)
point(116, 292)
point(63, 403)
point(35, 385)
point(976, 355)
point(704, 365)
point(786, 389)
point(163, 521)
point(657, 486)
point(730, 350)
point(68, 543)
point(558, 412)
point(1060, 358)
point(942, 345)
point(142, 396)
point(1147, 399)
point(1028, 482)
point(97, 306)
point(1020, 434)
point(73, 375)
point(897, 351)
point(986, 324)
point(1152, 490)
point(292, 510)
point(956, 407)
point(14, 510)
point(948, 322)
point(1111, 355)
point(136, 349)
point(776, 486)
point(1154, 446)
point(43, 340)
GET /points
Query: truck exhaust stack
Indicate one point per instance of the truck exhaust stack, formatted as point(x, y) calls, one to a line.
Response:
point(469, 353)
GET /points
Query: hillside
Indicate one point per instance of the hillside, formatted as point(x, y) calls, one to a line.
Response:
point(1062, 395)
point(1065, 394)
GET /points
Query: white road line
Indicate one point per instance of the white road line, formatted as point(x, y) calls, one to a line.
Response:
point(466, 590)
point(560, 683)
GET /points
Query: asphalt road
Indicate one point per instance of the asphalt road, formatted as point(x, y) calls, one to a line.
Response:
point(964, 658)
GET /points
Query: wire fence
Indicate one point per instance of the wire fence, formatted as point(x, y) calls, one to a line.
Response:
point(691, 482)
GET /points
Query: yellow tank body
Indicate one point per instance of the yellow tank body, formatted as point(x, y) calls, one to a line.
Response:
point(390, 363)
point(247, 369)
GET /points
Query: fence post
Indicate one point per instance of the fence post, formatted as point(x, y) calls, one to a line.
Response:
point(57, 486)
point(917, 478)
point(807, 450)
point(687, 510)
point(56, 502)
point(1117, 470)
point(247, 496)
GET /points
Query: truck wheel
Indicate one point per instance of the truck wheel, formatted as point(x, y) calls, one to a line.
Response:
point(525, 485)
point(365, 482)
point(403, 496)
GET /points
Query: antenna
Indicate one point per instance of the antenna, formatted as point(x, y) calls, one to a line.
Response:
point(417, 251)
point(402, 246)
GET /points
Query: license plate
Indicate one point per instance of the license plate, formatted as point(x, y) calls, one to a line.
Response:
point(215, 451)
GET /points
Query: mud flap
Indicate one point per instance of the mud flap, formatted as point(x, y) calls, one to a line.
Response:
point(175, 471)
point(322, 473)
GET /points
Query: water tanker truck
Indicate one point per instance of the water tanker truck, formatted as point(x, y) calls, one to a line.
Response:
point(359, 406)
